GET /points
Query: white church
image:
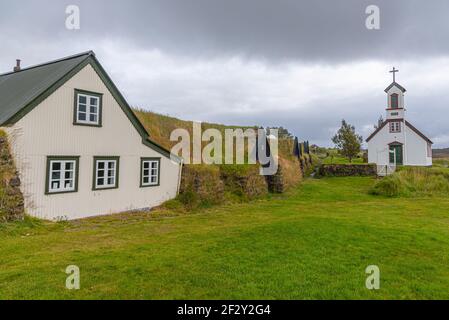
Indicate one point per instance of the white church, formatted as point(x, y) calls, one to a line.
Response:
point(396, 141)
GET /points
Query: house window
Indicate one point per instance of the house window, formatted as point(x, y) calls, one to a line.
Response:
point(394, 101)
point(62, 174)
point(150, 172)
point(395, 127)
point(88, 108)
point(106, 173)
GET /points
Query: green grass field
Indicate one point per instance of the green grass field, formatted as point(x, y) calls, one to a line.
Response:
point(312, 243)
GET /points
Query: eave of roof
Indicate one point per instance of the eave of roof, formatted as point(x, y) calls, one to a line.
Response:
point(419, 133)
point(408, 124)
point(19, 89)
point(380, 128)
point(395, 84)
point(87, 53)
point(38, 96)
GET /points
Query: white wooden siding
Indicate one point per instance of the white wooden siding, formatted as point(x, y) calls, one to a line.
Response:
point(48, 130)
point(415, 153)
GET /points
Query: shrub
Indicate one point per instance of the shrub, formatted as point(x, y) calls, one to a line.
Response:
point(389, 186)
point(409, 181)
point(173, 204)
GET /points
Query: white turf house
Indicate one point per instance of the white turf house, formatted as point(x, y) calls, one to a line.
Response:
point(78, 147)
point(396, 141)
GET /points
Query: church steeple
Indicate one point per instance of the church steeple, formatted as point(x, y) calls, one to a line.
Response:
point(395, 98)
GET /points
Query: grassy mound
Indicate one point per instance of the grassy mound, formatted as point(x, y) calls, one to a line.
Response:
point(243, 181)
point(412, 181)
point(240, 181)
point(201, 186)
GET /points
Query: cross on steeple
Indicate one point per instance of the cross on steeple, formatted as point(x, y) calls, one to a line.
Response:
point(394, 73)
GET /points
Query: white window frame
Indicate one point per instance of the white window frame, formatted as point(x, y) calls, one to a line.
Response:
point(108, 173)
point(150, 172)
point(62, 180)
point(395, 127)
point(88, 111)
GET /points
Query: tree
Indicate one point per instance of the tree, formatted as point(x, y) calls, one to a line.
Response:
point(347, 141)
point(283, 133)
point(379, 123)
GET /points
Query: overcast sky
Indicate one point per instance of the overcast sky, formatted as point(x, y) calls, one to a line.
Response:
point(304, 65)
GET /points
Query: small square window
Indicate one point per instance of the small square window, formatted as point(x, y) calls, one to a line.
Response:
point(395, 127)
point(105, 173)
point(88, 107)
point(61, 174)
point(150, 172)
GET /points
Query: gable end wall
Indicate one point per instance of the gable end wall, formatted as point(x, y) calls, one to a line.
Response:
point(416, 147)
point(48, 130)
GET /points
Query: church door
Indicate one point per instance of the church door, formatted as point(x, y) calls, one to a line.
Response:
point(396, 152)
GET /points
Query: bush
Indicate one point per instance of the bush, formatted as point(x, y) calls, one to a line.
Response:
point(410, 181)
point(389, 186)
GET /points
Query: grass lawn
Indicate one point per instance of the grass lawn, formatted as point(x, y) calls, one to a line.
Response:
point(441, 162)
point(313, 243)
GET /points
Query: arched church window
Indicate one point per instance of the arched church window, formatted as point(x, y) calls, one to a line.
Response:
point(394, 101)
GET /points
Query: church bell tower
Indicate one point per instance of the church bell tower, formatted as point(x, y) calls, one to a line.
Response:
point(395, 99)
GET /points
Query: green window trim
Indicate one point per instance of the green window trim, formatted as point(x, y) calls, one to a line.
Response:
point(117, 172)
point(398, 154)
point(75, 108)
point(154, 159)
point(47, 173)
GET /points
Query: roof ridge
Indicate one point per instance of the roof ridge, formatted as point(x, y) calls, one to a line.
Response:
point(87, 53)
point(394, 83)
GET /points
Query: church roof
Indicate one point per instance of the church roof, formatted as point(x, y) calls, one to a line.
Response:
point(408, 124)
point(395, 84)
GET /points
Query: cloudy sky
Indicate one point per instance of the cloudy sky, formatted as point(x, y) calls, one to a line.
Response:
point(304, 65)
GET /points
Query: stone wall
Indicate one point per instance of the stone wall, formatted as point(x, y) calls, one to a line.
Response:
point(11, 199)
point(201, 185)
point(244, 181)
point(347, 170)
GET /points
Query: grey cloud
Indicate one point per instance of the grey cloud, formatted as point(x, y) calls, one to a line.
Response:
point(274, 33)
point(319, 30)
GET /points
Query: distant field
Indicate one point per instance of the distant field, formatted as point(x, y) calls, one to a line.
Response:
point(312, 243)
point(441, 153)
point(441, 162)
